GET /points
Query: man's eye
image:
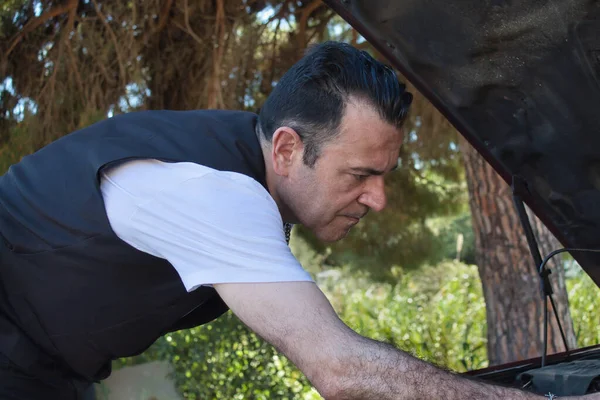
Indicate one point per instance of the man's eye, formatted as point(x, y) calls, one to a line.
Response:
point(359, 177)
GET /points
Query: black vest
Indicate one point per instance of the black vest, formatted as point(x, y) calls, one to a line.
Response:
point(79, 292)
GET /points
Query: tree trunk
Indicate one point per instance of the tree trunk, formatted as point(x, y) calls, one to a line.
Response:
point(511, 285)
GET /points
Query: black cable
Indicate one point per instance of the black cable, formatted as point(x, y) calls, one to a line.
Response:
point(546, 331)
point(560, 328)
point(548, 294)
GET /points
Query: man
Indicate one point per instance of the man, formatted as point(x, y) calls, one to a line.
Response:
point(156, 221)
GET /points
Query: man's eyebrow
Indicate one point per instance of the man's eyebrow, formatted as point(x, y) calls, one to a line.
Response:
point(372, 171)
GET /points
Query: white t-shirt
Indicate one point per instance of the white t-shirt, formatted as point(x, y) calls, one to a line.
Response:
point(212, 226)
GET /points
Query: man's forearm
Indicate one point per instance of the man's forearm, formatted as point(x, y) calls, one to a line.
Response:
point(376, 370)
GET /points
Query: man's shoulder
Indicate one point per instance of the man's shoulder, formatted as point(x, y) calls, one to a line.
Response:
point(152, 176)
point(202, 113)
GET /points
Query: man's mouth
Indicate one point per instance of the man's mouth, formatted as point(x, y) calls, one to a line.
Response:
point(354, 218)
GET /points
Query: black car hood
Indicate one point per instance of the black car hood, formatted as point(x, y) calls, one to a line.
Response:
point(519, 80)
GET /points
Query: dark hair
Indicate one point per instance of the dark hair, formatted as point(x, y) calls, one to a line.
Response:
point(311, 97)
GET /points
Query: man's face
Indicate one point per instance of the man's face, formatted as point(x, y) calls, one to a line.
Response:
point(348, 177)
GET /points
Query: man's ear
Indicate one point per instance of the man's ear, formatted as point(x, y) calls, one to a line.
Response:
point(286, 148)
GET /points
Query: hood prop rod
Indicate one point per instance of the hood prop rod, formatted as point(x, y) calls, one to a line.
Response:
point(519, 187)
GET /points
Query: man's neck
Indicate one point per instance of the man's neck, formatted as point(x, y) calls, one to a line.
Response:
point(272, 180)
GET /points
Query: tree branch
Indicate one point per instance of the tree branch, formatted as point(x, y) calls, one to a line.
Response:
point(214, 93)
point(302, 22)
point(188, 28)
point(34, 23)
point(321, 27)
point(52, 81)
point(75, 71)
point(164, 13)
point(113, 38)
point(306, 11)
point(162, 21)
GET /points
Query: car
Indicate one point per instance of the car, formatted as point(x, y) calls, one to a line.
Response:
point(520, 80)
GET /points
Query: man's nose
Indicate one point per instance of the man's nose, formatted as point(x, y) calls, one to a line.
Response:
point(374, 195)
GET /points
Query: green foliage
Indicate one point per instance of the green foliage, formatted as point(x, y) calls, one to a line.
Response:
point(584, 303)
point(450, 231)
point(225, 360)
point(437, 313)
point(7, 12)
point(17, 145)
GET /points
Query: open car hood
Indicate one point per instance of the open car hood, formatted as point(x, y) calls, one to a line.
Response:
point(519, 80)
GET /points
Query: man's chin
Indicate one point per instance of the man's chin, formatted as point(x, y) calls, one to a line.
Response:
point(332, 237)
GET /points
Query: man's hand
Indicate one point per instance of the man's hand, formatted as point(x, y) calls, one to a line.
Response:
point(297, 318)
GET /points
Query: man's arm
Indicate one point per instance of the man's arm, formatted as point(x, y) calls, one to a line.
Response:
point(297, 318)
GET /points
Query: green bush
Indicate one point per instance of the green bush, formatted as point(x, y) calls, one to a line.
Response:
point(16, 145)
point(438, 314)
point(584, 303)
point(225, 360)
